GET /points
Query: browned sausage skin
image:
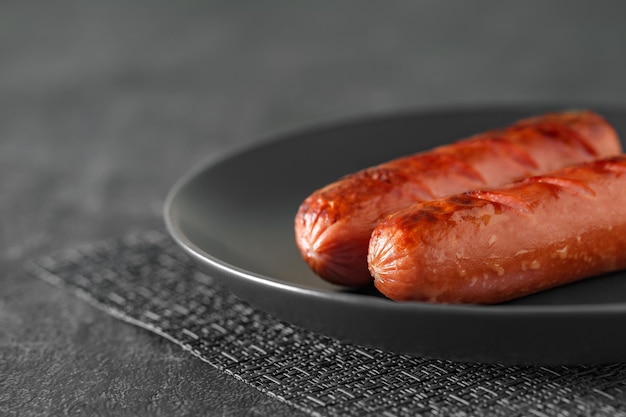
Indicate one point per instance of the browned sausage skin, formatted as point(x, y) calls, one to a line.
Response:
point(334, 224)
point(495, 245)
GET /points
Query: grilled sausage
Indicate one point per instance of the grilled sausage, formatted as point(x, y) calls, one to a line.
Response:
point(334, 224)
point(490, 246)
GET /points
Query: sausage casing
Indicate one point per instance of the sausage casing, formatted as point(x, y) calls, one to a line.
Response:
point(490, 246)
point(334, 224)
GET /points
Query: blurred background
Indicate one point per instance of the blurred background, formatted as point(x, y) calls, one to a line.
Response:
point(180, 80)
point(104, 104)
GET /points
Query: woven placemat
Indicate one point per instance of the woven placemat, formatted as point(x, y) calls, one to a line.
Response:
point(146, 280)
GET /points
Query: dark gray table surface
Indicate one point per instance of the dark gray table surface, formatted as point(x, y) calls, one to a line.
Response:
point(103, 105)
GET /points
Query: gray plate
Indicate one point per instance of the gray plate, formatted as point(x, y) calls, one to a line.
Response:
point(235, 216)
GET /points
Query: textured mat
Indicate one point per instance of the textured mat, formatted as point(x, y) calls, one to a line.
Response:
point(148, 281)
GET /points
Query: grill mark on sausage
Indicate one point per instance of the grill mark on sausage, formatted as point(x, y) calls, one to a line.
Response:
point(468, 171)
point(395, 175)
point(572, 186)
point(502, 199)
point(565, 133)
point(446, 162)
point(616, 165)
point(517, 152)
